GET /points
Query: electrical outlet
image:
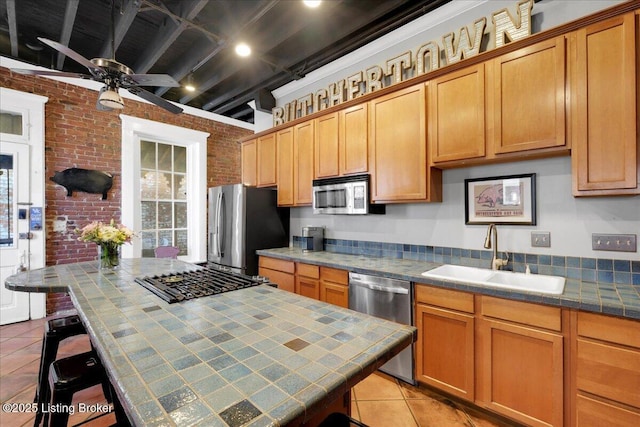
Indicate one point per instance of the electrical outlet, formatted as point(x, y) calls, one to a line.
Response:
point(540, 239)
point(614, 242)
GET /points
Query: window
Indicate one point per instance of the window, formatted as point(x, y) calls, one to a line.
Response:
point(163, 196)
point(7, 220)
point(164, 199)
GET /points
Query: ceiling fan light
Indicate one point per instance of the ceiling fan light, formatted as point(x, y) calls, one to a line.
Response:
point(110, 98)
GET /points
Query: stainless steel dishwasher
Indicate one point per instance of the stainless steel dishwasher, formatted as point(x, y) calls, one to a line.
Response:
point(388, 299)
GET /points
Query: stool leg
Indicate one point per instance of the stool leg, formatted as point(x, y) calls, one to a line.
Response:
point(60, 417)
point(50, 346)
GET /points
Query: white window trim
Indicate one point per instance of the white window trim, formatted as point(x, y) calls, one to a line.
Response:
point(135, 129)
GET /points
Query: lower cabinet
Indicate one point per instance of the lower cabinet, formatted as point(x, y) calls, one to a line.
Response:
point(334, 286)
point(445, 347)
point(521, 355)
point(279, 271)
point(308, 280)
point(607, 371)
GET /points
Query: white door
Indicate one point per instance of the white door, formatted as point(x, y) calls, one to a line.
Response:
point(14, 209)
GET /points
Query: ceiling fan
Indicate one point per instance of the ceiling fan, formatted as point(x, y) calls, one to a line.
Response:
point(113, 74)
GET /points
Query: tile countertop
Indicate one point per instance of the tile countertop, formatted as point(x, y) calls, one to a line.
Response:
point(607, 298)
point(256, 357)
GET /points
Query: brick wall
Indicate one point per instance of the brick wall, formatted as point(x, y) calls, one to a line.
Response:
point(77, 135)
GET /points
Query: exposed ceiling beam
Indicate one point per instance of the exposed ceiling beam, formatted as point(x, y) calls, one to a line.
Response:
point(205, 55)
point(13, 27)
point(168, 33)
point(70, 13)
point(125, 18)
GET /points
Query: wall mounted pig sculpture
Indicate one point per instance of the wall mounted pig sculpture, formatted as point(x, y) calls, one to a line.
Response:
point(89, 181)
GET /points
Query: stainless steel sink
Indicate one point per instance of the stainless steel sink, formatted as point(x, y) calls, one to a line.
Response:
point(499, 279)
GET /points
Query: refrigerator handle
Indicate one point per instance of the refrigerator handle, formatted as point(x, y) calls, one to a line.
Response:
point(220, 225)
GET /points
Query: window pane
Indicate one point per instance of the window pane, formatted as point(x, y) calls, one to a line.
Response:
point(6, 200)
point(180, 187)
point(179, 159)
point(148, 181)
point(180, 215)
point(10, 123)
point(164, 238)
point(164, 185)
point(147, 155)
point(149, 240)
point(148, 213)
point(164, 157)
point(164, 215)
point(181, 241)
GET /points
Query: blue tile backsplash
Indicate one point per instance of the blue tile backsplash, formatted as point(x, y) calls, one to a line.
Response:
point(601, 270)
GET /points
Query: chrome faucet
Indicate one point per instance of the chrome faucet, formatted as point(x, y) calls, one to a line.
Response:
point(496, 263)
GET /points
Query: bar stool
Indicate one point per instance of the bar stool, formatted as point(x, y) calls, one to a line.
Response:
point(70, 375)
point(55, 331)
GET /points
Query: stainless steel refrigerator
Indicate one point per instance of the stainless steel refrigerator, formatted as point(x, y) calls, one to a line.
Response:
point(242, 220)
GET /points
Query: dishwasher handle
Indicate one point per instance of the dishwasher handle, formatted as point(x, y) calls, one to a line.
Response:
point(378, 287)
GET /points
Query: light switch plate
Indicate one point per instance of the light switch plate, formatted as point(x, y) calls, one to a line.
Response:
point(540, 239)
point(614, 242)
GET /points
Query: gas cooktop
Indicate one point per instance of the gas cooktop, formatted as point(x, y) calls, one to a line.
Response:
point(186, 285)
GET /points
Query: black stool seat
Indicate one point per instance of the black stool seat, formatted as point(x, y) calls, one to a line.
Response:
point(338, 419)
point(70, 375)
point(55, 331)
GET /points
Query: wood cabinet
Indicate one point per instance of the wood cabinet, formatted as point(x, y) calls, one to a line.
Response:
point(326, 150)
point(445, 347)
point(303, 137)
point(607, 371)
point(528, 88)
point(354, 139)
point(285, 158)
point(308, 280)
point(334, 286)
point(248, 153)
point(520, 361)
point(604, 86)
point(266, 163)
point(279, 271)
point(457, 115)
point(398, 149)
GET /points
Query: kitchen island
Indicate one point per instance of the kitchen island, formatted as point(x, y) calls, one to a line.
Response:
point(257, 356)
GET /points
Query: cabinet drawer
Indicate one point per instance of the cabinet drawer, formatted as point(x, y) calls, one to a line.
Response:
point(445, 298)
point(522, 312)
point(308, 270)
point(285, 281)
point(593, 413)
point(611, 329)
point(609, 371)
point(335, 275)
point(277, 264)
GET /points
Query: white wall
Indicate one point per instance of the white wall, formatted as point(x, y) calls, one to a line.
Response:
point(571, 221)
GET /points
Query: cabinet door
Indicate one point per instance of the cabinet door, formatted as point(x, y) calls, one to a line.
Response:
point(326, 146)
point(529, 98)
point(354, 139)
point(285, 167)
point(266, 160)
point(398, 146)
point(521, 372)
point(249, 163)
point(445, 350)
point(285, 281)
point(303, 162)
point(308, 287)
point(334, 293)
point(605, 144)
point(457, 115)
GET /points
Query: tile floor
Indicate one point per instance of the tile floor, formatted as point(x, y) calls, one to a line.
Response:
point(378, 401)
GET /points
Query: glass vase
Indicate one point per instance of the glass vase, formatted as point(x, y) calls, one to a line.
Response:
point(108, 256)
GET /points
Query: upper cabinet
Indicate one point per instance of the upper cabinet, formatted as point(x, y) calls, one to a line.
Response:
point(398, 148)
point(529, 98)
point(285, 166)
point(326, 151)
point(303, 137)
point(605, 155)
point(266, 162)
point(457, 115)
point(248, 152)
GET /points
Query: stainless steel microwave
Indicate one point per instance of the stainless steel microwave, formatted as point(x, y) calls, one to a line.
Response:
point(348, 195)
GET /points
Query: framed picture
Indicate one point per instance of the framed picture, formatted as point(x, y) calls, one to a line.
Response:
point(501, 200)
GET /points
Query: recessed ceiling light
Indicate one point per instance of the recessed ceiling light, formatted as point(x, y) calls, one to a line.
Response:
point(243, 49)
point(312, 3)
point(190, 87)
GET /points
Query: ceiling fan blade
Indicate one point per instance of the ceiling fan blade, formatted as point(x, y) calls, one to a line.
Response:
point(160, 102)
point(49, 73)
point(73, 55)
point(163, 80)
